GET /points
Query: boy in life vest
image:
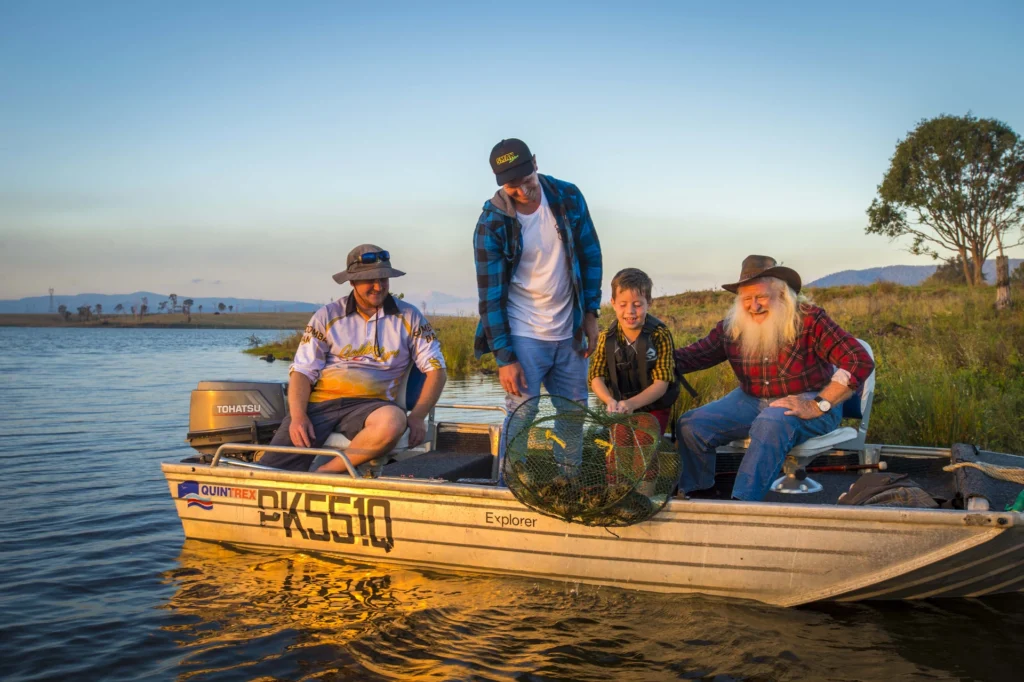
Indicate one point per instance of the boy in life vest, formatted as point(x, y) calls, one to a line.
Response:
point(632, 368)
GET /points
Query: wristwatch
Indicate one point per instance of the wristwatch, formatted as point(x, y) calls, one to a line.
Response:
point(822, 404)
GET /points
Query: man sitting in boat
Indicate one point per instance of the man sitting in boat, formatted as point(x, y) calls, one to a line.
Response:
point(795, 366)
point(350, 365)
point(631, 369)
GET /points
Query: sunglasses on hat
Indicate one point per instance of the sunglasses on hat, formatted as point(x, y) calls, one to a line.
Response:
point(375, 257)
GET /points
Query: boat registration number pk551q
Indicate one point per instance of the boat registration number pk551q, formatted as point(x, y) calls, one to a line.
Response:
point(328, 518)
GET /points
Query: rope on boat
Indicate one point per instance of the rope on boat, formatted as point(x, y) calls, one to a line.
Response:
point(1012, 474)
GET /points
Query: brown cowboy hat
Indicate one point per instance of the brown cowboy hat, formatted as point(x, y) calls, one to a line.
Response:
point(367, 261)
point(756, 267)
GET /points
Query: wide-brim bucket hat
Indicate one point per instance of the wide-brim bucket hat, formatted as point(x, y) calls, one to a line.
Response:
point(356, 267)
point(757, 267)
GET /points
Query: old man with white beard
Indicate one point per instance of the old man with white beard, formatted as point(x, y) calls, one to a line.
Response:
point(795, 366)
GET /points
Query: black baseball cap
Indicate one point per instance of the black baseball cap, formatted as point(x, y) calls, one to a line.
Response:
point(510, 160)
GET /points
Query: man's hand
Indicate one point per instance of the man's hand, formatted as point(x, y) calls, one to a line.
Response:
point(417, 430)
point(805, 409)
point(301, 430)
point(590, 329)
point(512, 378)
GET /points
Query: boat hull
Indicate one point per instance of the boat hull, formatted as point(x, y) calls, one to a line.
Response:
point(783, 554)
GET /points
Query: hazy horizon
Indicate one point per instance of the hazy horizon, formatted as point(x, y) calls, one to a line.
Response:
point(242, 149)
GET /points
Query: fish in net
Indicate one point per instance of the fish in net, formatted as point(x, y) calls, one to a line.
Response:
point(598, 469)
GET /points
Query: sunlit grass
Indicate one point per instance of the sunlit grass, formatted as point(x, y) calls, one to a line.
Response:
point(949, 368)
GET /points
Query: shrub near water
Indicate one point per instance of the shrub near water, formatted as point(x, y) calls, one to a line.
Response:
point(949, 368)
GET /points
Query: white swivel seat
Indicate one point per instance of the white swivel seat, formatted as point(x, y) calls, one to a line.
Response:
point(794, 478)
point(405, 398)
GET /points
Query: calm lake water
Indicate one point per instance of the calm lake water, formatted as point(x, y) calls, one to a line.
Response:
point(97, 581)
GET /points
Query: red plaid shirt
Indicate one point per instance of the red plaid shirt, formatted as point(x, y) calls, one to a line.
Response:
point(806, 365)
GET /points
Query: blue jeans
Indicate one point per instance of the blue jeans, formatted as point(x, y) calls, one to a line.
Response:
point(562, 372)
point(737, 415)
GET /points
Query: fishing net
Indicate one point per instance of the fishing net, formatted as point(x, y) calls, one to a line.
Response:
point(594, 468)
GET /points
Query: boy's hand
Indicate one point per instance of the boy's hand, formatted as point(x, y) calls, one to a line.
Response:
point(619, 407)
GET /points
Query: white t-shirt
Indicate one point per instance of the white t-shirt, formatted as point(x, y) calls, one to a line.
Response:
point(540, 294)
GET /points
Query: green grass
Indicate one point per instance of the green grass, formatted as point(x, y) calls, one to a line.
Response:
point(949, 367)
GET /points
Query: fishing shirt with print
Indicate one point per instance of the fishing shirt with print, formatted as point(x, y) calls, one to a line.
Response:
point(345, 356)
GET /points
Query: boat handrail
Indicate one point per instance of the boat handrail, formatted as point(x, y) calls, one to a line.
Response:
point(459, 406)
point(229, 461)
point(255, 447)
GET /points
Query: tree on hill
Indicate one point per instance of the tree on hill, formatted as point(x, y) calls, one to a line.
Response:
point(144, 308)
point(174, 301)
point(186, 308)
point(962, 180)
point(99, 310)
point(952, 271)
point(62, 310)
point(161, 307)
point(1017, 276)
point(221, 307)
point(84, 313)
point(231, 308)
point(200, 309)
point(119, 308)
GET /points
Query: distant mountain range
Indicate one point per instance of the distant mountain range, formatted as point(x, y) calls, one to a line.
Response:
point(900, 274)
point(436, 302)
point(41, 304)
point(433, 302)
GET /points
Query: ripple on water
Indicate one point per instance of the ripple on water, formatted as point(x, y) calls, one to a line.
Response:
point(97, 583)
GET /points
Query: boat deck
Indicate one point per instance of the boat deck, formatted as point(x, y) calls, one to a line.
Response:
point(925, 470)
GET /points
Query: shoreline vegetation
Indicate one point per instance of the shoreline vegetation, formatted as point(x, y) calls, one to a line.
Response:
point(162, 320)
point(950, 368)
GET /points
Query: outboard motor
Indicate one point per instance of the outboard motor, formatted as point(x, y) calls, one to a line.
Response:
point(234, 412)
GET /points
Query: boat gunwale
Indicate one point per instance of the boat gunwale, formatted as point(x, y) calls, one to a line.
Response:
point(993, 519)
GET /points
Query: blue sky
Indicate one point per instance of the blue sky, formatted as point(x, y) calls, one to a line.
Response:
point(240, 149)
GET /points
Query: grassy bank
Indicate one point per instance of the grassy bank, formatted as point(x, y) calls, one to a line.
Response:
point(949, 368)
point(163, 321)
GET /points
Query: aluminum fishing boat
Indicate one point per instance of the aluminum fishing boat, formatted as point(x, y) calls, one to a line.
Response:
point(439, 506)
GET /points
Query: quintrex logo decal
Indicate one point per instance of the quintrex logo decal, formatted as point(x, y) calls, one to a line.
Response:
point(200, 495)
point(189, 490)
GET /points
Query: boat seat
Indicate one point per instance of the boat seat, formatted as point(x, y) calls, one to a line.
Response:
point(408, 393)
point(848, 438)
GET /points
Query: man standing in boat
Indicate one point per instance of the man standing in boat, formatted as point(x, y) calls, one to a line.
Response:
point(795, 366)
point(538, 273)
point(349, 368)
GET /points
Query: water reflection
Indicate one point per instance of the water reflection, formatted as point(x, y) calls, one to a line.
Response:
point(255, 614)
point(96, 583)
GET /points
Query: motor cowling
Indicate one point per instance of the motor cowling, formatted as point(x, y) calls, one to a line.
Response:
point(234, 412)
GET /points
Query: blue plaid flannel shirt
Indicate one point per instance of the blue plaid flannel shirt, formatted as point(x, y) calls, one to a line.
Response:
point(498, 246)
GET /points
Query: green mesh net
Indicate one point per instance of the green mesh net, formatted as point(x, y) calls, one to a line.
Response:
point(598, 469)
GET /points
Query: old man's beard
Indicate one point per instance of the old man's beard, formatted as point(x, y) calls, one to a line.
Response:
point(765, 339)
